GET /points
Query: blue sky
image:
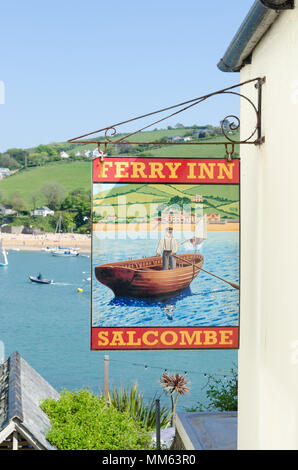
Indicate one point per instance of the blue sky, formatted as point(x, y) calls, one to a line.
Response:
point(70, 67)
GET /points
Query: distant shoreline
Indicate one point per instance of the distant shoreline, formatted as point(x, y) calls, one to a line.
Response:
point(30, 242)
point(146, 227)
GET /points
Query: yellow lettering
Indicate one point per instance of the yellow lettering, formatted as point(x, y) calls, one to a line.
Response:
point(156, 169)
point(138, 170)
point(102, 338)
point(120, 167)
point(173, 167)
point(195, 338)
point(210, 337)
point(146, 340)
point(172, 341)
point(225, 336)
point(103, 168)
point(131, 342)
point(206, 169)
point(117, 338)
point(226, 168)
point(191, 172)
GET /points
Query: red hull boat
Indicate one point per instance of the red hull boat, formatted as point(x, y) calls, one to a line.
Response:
point(146, 278)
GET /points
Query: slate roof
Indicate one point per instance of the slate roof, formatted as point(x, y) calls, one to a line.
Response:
point(21, 391)
point(208, 430)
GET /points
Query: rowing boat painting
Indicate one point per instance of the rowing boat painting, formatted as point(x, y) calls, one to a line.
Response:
point(165, 253)
point(146, 277)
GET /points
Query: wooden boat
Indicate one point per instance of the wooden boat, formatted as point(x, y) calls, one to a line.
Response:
point(145, 277)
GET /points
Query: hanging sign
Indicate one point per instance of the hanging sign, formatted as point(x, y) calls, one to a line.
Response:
point(165, 253)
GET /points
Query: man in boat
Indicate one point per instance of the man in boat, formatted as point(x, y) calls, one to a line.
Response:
point(167, 248)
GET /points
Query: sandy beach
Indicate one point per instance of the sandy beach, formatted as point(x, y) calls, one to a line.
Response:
point(51, 240)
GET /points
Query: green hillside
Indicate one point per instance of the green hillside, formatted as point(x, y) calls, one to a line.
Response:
point(222, 199)
point(71, 175)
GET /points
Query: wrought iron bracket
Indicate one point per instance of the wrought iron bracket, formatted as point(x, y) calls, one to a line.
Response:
point(287, 5)
point(255, 137)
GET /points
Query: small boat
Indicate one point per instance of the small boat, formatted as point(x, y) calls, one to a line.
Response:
point(40, 280)
point(3, 256)
point(65, 252)
point(146, 278)
point(200, 234)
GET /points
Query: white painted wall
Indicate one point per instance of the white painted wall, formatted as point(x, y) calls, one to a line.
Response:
point(268, 356)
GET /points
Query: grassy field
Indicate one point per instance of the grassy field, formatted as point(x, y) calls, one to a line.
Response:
point(71, 175)
point(221, 199)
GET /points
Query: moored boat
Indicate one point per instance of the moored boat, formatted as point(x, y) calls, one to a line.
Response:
point(3, 256)
point(65, 252)
point(146, 278)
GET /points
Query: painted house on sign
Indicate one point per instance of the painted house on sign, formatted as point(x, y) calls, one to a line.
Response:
point(265, 47)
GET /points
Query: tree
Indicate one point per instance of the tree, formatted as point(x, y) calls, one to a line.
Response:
point(8, 162)
point(35, 198)
point(79, 202)
point(19, 155)
point(177, 385)
point(18, 202)
point(3, 197)
point(54, 194)
point(222, 393)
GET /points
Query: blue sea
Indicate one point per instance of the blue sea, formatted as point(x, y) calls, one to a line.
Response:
point(50, 327)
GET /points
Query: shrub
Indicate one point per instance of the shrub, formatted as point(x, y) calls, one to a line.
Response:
point(222, 394)
point(132, 401)
point(83, 421)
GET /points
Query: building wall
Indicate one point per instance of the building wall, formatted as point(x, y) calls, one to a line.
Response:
point(268, 356)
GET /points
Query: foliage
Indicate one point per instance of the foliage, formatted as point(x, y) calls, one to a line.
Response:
point(132, 401)
point(78, 201)
point(84, 421)
point(54, 194)
point(175, 384)
point(222, 394)
point(180, 201)
point(18, 202)
point(7, 161)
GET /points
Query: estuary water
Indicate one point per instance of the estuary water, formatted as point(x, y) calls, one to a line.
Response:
point(49, 325)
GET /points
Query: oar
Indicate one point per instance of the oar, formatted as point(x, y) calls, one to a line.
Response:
point(236, 286)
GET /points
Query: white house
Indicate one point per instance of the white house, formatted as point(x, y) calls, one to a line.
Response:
point(7, 210)
point(266, 46)
point(42, 212)
point(4, 172)
point(64, 155)
point(95, 153)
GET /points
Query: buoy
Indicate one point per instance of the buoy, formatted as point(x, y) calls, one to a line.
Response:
point(79, 289)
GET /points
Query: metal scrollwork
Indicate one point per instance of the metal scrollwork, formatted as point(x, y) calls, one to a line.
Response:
point(110, 131)
point(113, 132)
